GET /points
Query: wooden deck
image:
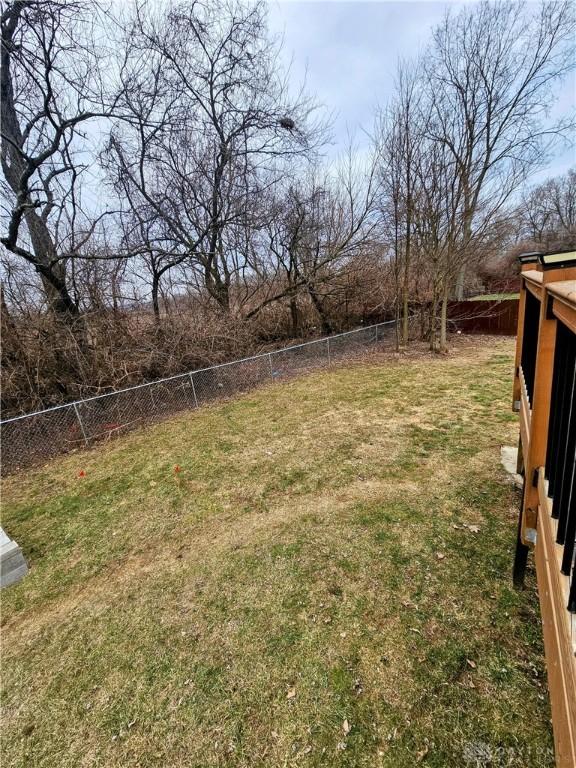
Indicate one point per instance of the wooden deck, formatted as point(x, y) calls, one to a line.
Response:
point(545, 397)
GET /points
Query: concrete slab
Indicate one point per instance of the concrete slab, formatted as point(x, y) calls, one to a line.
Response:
point(12, 563)
point(508, 459)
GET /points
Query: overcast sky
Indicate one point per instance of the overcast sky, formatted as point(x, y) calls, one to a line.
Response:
point(349, 52)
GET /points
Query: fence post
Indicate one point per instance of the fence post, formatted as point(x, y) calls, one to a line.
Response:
point(329, 357)
point(193, 389)
point(270, 361)
point(77, 412)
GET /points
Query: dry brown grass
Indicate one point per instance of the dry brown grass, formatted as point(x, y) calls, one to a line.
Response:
point(286, 581)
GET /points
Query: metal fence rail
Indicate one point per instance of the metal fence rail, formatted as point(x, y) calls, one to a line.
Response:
point(39, 436)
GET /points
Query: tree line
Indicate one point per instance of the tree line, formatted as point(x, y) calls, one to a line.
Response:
point(169, 199)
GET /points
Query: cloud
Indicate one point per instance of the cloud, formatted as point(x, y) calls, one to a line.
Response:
point(349, 51)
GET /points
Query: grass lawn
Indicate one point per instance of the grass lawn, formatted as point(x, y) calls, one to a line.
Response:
point(326, 582)
point(495, 297)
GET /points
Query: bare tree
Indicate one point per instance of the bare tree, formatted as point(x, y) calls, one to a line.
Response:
point(491, 70)
point(548, 212)
point(398, 139)
point(314, 229)
point(51, 86)
point(211, 116)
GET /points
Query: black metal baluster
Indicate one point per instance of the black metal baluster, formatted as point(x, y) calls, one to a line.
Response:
point(572, 597)
point(565, 374)
point(554, 420)
point(567, 494)
point(564, 470)
point(530, 342)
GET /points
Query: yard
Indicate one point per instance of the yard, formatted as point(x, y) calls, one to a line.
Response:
point(325, 582)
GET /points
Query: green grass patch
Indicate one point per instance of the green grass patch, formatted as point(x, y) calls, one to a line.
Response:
point(325, 583)
point(494, 297)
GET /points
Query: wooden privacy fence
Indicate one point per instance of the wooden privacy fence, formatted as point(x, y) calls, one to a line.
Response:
point(495, 316)
point(545, 397)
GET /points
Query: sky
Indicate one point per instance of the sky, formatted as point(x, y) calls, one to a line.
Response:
point(348, 52)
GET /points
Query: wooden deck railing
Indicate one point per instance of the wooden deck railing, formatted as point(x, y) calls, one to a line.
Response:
point(545, 397)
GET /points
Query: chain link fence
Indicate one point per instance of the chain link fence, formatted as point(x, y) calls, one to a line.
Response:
point(39, 436)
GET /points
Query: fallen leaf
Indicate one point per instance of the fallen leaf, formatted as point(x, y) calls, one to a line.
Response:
point(440, 555)
point(421, 755)
point(291, 693)
point(474, 529)
point(346, 727)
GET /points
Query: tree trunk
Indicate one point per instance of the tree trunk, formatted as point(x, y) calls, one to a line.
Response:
point(223, 296)
point(444, 319)
point(460, 281)
point(467, 238)
point(433, 314)
point(17, 169)
point(218, 289)
point(318, 306)
point(423, 320)
point(405, 314)
point(406, 276)
point(155, 298)
point(53, 276)
point(294, 317)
